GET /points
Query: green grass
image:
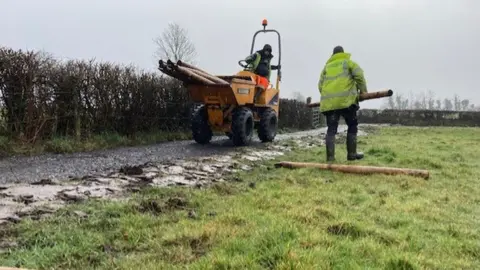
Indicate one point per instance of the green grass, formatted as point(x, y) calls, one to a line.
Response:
point(96, 142)
point(288, 219)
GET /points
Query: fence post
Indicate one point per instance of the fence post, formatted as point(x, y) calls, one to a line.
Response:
point(318, 120)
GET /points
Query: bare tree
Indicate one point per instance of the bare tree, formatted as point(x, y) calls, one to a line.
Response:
point(448, 104)
point(399, 102)
point(403, 103)
point(430, 100)
point(421, 101)
point(390, 103)
point(298, 96)
point(464, 103)
point(174, 44)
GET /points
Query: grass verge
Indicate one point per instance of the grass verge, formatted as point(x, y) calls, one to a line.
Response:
point(96, 142)
point(60, 145)
point(284, 219)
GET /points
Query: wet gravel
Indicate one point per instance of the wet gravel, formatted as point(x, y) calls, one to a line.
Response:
point(60, 167)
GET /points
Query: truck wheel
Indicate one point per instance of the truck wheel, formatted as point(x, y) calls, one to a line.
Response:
point(242, 126)
point(267, 128)
point(201, 131)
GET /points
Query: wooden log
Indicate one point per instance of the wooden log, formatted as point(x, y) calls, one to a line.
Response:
point(202, 72)
point(173, 73)
point(183, 64)
point(165, 69)
point(354, 169)
point(192, 75)
point(195, 76)
point(209, 76)
point(362, 97)
point(374, 95)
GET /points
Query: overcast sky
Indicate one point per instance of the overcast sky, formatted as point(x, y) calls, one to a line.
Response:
point(405, 45)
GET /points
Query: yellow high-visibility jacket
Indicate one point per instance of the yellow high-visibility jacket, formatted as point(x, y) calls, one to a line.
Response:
point(340, 83)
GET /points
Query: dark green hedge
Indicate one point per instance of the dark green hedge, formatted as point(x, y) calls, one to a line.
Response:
point(42, 97)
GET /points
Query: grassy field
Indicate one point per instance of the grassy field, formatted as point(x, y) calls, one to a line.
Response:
point(285, 219)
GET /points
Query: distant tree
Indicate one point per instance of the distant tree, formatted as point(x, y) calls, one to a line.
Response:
point(412, 99)
point(405, 104)
point(457, 104)
point(399, 102)
point(464, 103)
point(299, 97)
point(423, 101)
point(417, 105)
point(430, 100)
point(174, 44)
point(427, 101)
point(447, 104)
point(390, 103)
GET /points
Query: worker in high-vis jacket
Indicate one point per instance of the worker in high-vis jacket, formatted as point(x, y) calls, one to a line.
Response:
point(340, 84)
point(259, 63)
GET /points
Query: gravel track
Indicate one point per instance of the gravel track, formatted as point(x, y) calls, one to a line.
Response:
point(60, 167)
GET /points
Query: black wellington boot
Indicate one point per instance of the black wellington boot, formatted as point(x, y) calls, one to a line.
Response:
point(330, 145)
point(352, 148)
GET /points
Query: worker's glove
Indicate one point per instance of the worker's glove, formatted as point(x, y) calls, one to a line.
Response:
point(355, 107)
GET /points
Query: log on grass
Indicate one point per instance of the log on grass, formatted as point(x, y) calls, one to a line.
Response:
point(355, 169)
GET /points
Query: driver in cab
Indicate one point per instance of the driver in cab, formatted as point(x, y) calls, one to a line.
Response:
point(259, 63)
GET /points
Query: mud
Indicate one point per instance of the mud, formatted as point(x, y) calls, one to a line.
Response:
point(44, 197)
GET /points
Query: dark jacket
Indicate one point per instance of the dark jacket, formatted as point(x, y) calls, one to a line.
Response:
point(262, 66)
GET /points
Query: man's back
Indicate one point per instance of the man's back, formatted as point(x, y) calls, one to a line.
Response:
point(339, 81)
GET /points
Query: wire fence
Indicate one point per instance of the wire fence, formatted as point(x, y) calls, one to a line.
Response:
point(42, 98)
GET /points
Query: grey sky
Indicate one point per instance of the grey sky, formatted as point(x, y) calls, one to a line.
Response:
point(406, 45)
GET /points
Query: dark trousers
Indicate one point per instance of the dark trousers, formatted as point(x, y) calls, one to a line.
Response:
point(350, 116)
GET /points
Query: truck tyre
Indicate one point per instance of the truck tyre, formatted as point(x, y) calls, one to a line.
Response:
point(201, 131)
point(267, 128)
point(242, 126)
